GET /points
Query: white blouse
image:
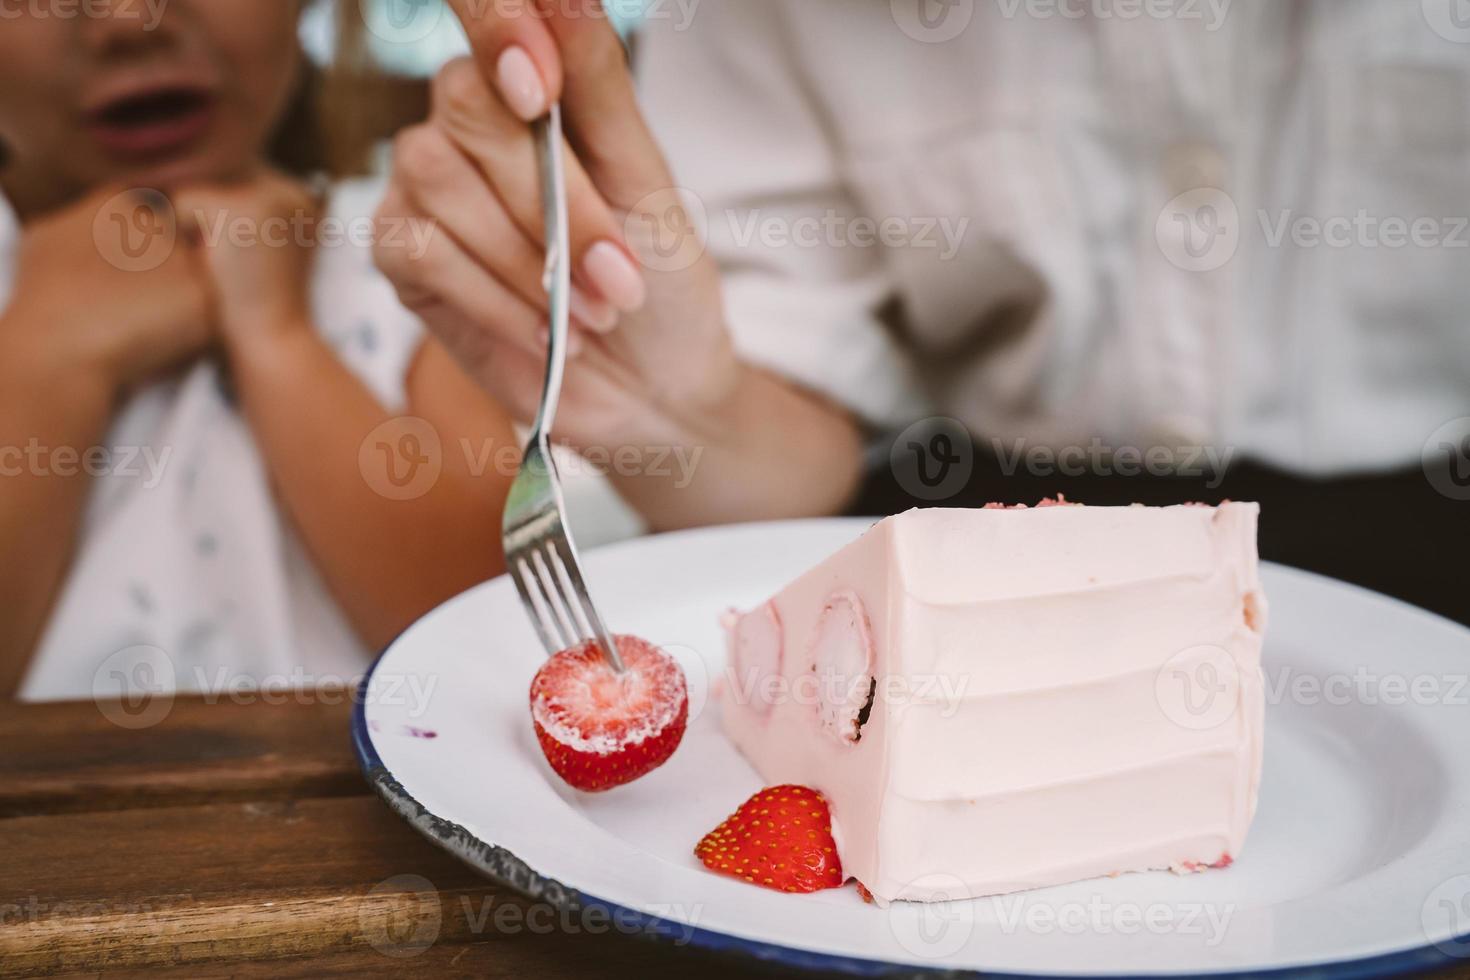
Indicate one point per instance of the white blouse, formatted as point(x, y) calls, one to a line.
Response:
point(187, 574)
point(1228, 224)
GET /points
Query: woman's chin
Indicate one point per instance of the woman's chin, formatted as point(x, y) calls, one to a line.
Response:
point(206, 166)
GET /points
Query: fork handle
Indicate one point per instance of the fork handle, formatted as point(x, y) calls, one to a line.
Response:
point(557, 277)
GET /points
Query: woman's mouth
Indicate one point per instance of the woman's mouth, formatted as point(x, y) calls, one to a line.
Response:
point(156, 123)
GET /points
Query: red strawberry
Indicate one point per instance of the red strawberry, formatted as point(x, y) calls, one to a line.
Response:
point(601, 729)
point(780, 838)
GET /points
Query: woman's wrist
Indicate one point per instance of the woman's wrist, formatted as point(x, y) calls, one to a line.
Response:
point(765, 449)
point(266, 337)
point(53, 357)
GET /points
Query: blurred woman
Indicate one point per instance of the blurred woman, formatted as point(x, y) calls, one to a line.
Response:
point(202, 470)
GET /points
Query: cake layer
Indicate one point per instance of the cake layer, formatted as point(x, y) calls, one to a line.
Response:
point(996, 699)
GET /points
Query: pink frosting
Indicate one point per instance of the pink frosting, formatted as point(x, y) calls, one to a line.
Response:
point(1057, 693)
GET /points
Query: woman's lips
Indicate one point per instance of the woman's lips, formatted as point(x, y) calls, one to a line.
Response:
point(152, 124)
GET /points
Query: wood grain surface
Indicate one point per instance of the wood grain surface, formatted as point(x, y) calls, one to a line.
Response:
point(238, 840)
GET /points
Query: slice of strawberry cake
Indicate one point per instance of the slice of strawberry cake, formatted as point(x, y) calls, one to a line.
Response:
point(1000, 699)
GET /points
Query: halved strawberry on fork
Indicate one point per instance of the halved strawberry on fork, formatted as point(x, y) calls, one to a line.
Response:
point(601, 728)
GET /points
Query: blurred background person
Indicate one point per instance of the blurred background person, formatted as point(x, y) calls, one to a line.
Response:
point(1192, 252)
point(202, 471)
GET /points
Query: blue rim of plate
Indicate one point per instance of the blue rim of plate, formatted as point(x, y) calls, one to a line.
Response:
point(505, 868)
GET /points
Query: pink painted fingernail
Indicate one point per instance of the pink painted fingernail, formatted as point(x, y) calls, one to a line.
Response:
point(520, 83)
point(594, 313)
point(616, 277)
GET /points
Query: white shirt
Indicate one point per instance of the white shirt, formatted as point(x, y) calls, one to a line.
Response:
point(1272, 308)
point(186, 568)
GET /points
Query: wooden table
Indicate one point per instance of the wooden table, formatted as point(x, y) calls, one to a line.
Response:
point(238, 840)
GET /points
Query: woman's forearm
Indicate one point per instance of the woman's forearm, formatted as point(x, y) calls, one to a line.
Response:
point(770, 451)
point(387, 557)
point(53, 417)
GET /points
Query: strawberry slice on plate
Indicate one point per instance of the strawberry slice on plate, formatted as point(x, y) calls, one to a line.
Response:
point(780, 838)
point(600, 728)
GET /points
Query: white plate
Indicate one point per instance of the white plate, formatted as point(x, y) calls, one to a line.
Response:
point(1359, 857)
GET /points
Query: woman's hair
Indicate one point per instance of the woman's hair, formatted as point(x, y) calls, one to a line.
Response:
point(341, 112)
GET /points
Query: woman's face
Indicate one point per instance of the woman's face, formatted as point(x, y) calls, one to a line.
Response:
point(138, 92)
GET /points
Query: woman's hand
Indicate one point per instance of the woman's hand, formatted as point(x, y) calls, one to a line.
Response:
point(256, 239)
point(655, 364)
point(662, 381)
point(109, 287)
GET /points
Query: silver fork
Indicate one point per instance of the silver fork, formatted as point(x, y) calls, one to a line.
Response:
point(539, 551)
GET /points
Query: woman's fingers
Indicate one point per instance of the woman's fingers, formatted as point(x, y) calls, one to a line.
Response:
point(600, 104)
point(444, 279)
point(502, 148)
point(515, 51)
point(449, 189)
